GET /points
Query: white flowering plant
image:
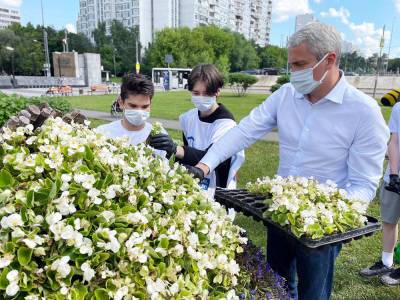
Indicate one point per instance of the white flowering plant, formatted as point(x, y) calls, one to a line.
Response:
point(157, 128)
point(309, 208)
point(85, 217)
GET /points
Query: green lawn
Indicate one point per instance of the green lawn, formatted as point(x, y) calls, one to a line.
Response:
point(262, 160)
point(169, 105)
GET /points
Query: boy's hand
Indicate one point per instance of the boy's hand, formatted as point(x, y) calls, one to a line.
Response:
point(394, 184)
point(164, 142)
point(196, 172)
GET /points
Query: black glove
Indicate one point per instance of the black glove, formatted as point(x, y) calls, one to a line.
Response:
point(196, 172)
point(164, 142)
point(394, 184)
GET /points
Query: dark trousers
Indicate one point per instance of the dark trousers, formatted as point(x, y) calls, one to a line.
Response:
point(314, 267)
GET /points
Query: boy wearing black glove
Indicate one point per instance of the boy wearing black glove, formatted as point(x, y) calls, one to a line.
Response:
point(202, 126)
point(390, 208)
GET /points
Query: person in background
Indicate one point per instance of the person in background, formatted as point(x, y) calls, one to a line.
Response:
point(135, 99)
point(202, 126)
point(390, 208)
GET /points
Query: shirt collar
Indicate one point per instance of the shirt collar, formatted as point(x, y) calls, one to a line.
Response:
point(336, 94)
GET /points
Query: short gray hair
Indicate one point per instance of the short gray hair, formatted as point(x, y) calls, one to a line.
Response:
point(320, 39)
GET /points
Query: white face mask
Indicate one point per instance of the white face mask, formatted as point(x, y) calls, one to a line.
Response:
point(136, 117)
point(204, 103)
point(303, 80)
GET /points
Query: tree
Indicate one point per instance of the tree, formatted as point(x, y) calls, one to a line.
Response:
point(244, 55)
point(27, 42)
point(273, 57)
point(204, 44)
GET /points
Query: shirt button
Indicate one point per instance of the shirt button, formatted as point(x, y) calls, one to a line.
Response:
point(306, 129)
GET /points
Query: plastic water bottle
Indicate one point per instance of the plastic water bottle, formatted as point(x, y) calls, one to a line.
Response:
point(397, 253)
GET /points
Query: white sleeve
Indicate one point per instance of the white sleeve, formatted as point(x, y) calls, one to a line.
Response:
point(259, 122)
point(366, 155)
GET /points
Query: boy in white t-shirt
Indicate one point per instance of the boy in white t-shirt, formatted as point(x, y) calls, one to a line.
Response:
point(390, 208)
point(137, 92)
point(202, 126)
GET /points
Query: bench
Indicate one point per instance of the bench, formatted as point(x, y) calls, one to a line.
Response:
point(99, 88)
point(64, 90)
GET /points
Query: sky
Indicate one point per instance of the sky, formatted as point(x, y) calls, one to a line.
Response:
point(359, 21)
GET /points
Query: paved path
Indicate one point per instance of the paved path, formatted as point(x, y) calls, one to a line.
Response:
point(169, 124)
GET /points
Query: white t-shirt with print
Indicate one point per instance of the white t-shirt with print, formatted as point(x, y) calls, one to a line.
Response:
point(115, 130)
point(394, 127)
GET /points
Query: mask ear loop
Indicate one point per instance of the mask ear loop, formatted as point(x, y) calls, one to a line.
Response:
point(326, 72)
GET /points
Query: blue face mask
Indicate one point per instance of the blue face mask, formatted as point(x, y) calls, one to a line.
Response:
point(303, 80)
point(136, 117)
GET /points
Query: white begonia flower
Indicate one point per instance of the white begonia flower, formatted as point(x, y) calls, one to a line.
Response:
point(6, 260)
point(232, 267)
point(231, 295)
point(17, 233)
point(231, 214)
point(12, 221)
point(32, 297)
point(121, 293)
point(108, 215)
point(86, 247)
point(53, 218)
point(193, 239)
point(12, 289)
point(61, 266)
point(88, 272)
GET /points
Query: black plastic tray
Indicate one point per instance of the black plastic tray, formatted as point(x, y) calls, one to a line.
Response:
point(253, 205)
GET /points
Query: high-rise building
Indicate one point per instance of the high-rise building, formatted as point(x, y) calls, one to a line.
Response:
point(252, 18)
point(303, 20)
point(9, 16)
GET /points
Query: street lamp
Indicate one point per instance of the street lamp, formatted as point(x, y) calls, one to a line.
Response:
point(115, 69)
point(11, 49)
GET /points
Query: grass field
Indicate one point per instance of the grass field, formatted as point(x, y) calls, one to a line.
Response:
point(262, 160)
point(169, 105)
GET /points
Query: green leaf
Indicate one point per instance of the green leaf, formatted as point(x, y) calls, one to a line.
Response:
point(88, 153)
point(53, 191)
point(101, 294)
point(164, 243)
point(24, 255)
point(78, 292)
point(3, 279)
point(6, 179)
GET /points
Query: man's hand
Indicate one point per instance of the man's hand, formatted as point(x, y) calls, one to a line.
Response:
point(164, 142)
point(196, 172)
point(204, 168)
point(394, 184)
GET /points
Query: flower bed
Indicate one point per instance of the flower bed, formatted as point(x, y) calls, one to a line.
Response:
point(309, 208)
point(83, 217)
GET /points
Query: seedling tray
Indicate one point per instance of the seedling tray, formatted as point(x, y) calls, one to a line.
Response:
point(253, 205)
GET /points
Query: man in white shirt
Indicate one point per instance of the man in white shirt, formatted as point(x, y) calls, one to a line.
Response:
point(328, 130)
point(135, 100)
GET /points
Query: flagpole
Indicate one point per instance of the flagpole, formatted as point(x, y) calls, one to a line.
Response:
point(378, 65)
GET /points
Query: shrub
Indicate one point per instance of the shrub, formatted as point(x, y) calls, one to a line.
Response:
point(11, 105)
point(240, 82)
point(279, 82)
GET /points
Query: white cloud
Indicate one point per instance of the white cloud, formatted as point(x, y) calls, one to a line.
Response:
point(70, 28)
point(343, 14)
point(397, 4)
point(318, 1)
point(282, 10)
point(11, 3)
point(366, 36)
